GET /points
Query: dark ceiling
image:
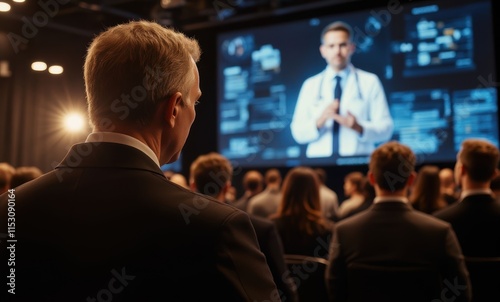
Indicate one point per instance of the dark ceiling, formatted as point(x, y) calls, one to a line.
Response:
point(86, 18)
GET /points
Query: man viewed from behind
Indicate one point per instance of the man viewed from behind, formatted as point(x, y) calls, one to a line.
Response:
point(266, 203)
point(476, 216)
point(392, 237)
point(106, 224)
point(211, 174)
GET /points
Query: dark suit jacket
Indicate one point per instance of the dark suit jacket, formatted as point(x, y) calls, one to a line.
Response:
point(476, 221)
point(392, 234)
point(107, 225)
point(272, 247)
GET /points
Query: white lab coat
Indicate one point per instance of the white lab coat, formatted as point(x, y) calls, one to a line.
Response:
point(364, 97)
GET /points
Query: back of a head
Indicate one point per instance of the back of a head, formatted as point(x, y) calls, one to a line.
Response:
point(143, 60)
point(253, 181)
point(24, 174)
point(300, 191)
point(481, 158)
point(6, 172)
point(272, 176)
point(447, 178)
point(426, 191)
point(321, 173)
point(210, 173)
point(357, 179)
point(392, 164)
point(179, 179)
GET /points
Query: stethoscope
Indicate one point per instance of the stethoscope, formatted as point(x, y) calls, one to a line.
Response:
point(356, 77)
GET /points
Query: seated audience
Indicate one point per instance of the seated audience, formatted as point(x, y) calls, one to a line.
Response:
point(353, 188)
point(179, 179)
point(6, 172)
point(211, 174)
point(24, 174)
point(426, 195)
point(253, 183)
point(476, 216)
point(448, 185)
point(302, 227)
point(266, 202)
point(392, 236)
point(328, 199)
point(369, 195)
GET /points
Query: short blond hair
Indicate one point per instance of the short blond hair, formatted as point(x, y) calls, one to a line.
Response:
point(141, 62)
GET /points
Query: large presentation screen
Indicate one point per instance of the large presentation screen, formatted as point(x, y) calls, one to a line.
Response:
point(422, 73)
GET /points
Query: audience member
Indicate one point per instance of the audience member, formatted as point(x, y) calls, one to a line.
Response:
point(24, 174)
point(353, 188)
point(253, 183)
point(6, 172)
point(328, 199)
point(179, 179)
point(448, 185)
point(369, 196)
point(495, 187)
point(230, 195)
point(106, 224)
point(211, 174)
point(476, 217)
point(392, 235)
point(301, 225)
point(426, 195)
point(266, 202)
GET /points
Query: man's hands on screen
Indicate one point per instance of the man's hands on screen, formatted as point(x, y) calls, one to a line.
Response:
point(332, 112)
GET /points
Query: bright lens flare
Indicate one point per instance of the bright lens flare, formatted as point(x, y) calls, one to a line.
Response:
point(74, 122)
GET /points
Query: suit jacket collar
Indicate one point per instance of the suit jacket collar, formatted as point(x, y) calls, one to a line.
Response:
point(478, 198)
point(395, 205)
point(108, 155)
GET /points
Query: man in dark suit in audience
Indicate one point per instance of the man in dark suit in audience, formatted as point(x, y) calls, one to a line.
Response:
point(476, 216)
point(392, 237)
point(106, 225)
point(211, 174)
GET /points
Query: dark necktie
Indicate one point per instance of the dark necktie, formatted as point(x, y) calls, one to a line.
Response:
point(337, 92)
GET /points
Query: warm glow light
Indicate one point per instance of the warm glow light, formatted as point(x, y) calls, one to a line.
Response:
point(38, 66)
point(74, 122)
point(19, 1)
point(56, 69)
point(4, 7)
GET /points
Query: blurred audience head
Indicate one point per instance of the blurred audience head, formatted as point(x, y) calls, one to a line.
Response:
point(24, 174)
point(179, 179)
point(426, 193)
point(253, 181)
point(6, 172)
point(353, 183)
point(273, 177)
point(211, 174)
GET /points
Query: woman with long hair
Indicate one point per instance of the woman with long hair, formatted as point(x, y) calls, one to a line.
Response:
point(299, 220)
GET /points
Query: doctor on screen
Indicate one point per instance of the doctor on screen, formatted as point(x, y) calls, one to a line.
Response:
point(342, 110)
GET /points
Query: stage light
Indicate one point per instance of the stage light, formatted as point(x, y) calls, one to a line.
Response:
point(39, 66)
point(74, 122)
point(4, 7)
point(56, 69)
